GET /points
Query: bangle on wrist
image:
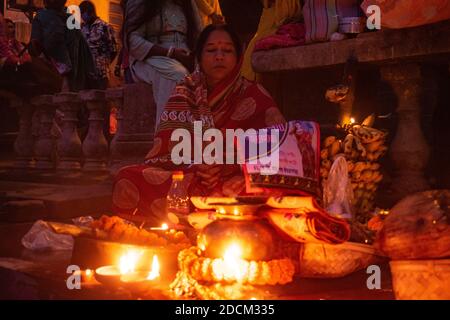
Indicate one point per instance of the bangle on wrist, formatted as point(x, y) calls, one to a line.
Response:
point(170, 52)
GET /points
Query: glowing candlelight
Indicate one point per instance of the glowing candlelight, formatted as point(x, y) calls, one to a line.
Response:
point(163, 227)
point(154, 272)
point(352, 120)
point(128, 262)
point(235, 267)
point(88, 275)
point(236, 211)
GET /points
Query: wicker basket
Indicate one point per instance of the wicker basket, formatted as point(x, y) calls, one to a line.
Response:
point(421, 279)
point(319, 260)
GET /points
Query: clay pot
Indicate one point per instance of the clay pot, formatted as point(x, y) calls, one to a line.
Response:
point(254, 237)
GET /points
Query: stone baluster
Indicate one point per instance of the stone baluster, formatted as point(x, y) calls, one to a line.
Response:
point(115, 96)
point(23, 146)
point(409, 150)
point(69, 145)
point(44, 147)
point(95, 146)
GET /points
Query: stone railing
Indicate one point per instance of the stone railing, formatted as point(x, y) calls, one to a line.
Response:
point(42, 143)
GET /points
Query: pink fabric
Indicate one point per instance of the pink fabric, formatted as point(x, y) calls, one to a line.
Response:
point(288, 35)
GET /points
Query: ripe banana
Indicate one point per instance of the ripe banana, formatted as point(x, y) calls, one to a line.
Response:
point(328, 141)
point(356, 176)
point(371, 187)
point(348, 143)
point(324, 154)
point(354, 155)
point(334, 148)
point(324, 173)
point(360, 147)
point(359, 166)
point(350, 166)
point(369, 121)
point(366, 175)
point(374, 146)
point(371, 156)
point(366, 134)
point(377, 177)
point(326, 164)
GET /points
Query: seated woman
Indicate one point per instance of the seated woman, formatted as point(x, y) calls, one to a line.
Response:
point(159, 36)
point(61, 53)
point(219, 97)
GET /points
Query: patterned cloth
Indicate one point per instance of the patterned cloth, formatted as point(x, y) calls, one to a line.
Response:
point(322, 17)
point(235, 103)
point(102, 42)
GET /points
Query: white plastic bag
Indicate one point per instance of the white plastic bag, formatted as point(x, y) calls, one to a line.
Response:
point(337, 191)
point(41, 237)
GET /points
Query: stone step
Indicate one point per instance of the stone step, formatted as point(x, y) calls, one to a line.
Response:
point(22, 201)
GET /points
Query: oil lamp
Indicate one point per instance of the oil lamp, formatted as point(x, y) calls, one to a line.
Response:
point(249, 235)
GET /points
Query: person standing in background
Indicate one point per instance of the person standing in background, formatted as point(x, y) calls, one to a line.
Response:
point(274, 13)
point(101, 40)
point(159, 37)
point(64, 49)
point(17, 47)
point(210, 12)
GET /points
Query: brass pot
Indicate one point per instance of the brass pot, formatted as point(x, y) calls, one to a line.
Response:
point(254, 237)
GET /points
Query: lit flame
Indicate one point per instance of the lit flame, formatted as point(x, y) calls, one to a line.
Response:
point(88, 272)
point(222, 211)
point(163, 227)
point(352, 120)
point(232, 254)
point(236, 211)
point(154, 273)
point(234, 265)
point(128, 261)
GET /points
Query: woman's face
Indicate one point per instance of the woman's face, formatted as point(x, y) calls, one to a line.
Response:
point(218, 57)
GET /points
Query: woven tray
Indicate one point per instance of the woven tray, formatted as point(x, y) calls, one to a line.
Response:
point(320, 260)
point(421, 279)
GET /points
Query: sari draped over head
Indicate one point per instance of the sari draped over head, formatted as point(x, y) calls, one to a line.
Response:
point(235, 103)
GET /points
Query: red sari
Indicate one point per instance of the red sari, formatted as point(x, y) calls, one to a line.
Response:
point(234, 103)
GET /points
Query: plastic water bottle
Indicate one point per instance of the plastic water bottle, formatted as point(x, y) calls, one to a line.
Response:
point(177, 200)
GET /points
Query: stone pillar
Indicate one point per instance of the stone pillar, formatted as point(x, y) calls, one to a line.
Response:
point(69, 145)
point(137, 125)
point(23, 146)
point(409, 150)
point(115, 96)
point(95, 146)
point(45, 145)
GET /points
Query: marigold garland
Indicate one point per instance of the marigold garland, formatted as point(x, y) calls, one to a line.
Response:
point(278, 271)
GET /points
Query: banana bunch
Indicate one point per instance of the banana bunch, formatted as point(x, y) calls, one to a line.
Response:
point(362, 147)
